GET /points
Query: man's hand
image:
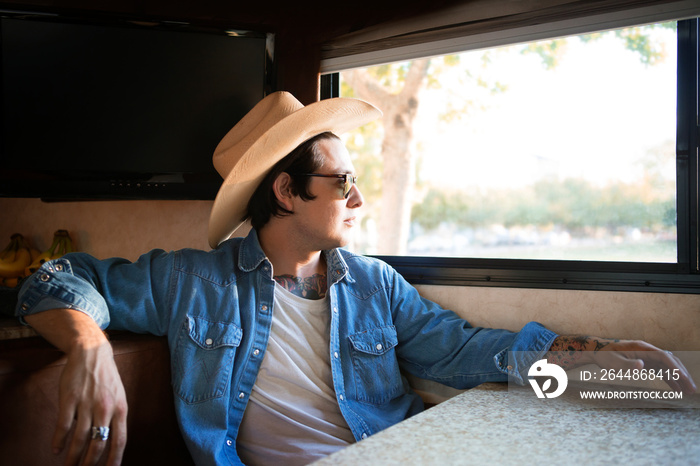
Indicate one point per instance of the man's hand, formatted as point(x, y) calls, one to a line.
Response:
point(570, 351)
point(91, 392)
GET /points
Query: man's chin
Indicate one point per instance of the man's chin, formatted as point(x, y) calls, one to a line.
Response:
point(340, 242)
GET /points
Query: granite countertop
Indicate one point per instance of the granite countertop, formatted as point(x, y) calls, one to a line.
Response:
point(492, 424)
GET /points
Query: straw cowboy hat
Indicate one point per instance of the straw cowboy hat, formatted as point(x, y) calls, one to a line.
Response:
point(270, 131)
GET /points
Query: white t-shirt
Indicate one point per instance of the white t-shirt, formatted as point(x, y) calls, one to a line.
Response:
point(293, 416)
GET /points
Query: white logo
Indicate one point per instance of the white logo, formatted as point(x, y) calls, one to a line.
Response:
point(543, 372)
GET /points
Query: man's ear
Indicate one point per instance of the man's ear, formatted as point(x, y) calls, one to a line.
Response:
point(282, 187)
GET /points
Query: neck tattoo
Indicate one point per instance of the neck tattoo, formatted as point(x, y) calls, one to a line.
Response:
point(313, 287)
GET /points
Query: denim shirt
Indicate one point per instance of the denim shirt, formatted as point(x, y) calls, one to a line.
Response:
point(215, 308)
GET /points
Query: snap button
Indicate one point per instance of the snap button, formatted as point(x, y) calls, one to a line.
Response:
point(364, 436)
point(379, 347)
point(59, 267)
point(510, 368)
point(256, 352)
point(208, 341)
point(341, 397)
point(241, 396)
point(335, 354)
point(335, 309)
point(264, 307)
point(44, 277)
point(25, 307)
point(229, 442)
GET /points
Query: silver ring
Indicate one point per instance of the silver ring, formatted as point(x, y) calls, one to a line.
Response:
point(100, 433)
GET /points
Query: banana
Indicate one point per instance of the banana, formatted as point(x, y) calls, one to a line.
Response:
point(8, 254)
point(66, 243)
point(9, 282)
point(46, 255)
point(22, 258)
point(62, 244)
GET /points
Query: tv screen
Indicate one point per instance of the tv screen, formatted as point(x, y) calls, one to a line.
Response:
point(95, 109)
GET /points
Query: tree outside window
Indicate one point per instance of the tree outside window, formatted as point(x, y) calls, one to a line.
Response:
point(559, 149)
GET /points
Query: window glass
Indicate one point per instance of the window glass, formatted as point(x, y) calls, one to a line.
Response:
point(559, 149)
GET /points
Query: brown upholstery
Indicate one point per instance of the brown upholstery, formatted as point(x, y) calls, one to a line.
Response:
point(29, 374)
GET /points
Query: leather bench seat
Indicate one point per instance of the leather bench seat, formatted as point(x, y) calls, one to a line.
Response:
point(29, 377)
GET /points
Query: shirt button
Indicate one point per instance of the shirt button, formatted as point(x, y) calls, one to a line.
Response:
point(379, 346)
point(335, 309)
point(229, 442)
point(335, 354)
point(341, 397)
point(208, 341)
point(364, 436)
point(241, 396)
point(256, 352)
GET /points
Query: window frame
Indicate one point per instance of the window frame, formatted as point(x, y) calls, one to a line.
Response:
point(680, 277)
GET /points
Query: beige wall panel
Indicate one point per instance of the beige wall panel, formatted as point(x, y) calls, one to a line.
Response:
point(109, 228)
point(670, 321)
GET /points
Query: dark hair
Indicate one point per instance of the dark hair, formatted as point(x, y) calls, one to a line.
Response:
point(306, 158)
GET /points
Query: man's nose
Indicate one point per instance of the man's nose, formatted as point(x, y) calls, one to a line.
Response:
point(355, 198)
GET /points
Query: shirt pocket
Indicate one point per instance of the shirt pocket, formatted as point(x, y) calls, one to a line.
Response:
point(376, 369)
point(204, 358)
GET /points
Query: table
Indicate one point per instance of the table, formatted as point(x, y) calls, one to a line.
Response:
point(497, 425)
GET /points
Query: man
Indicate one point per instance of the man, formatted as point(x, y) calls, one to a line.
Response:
point(284, 347)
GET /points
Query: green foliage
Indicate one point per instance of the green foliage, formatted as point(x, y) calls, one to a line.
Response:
point(390, 76)
point(635, 39)
point(550, 52)
point(439, 66)
point(440, 205)
point(346, 90)
point(572, 204)
point(364, 148)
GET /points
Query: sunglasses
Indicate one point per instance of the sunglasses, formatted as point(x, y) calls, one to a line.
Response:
point(349, 179)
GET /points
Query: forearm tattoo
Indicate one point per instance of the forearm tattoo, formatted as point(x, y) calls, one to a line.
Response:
point(313, 287)
point(566, 350)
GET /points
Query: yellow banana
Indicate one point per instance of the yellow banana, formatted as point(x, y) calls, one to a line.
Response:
point(9, 282)
point(65, 244)
point(43, 257)
point(16, 268)
point(62, 244)
point(8, 254)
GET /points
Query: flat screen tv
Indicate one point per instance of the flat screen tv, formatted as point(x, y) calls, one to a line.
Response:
point(105, 109)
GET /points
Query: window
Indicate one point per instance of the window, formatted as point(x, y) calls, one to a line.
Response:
point(568, 162)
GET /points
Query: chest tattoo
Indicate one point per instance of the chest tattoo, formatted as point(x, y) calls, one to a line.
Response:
point(313, 287)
